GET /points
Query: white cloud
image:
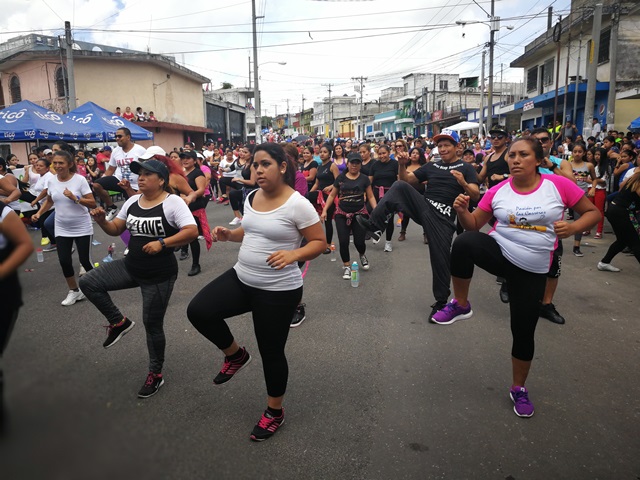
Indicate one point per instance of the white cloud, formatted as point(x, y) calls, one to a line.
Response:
point(375, 50)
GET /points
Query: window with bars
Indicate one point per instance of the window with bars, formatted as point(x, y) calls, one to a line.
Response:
point(14, 89)
point(547, 76)
point(532, 78)
point(603, 50)
point(61, 80)
point(444, 85)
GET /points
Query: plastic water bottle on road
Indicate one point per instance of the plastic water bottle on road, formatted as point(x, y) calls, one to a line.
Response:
point(40, 255)
point(111, 251)
point(355, 275)
point(333, 252)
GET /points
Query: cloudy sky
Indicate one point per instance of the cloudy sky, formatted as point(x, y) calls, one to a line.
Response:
point(321, 41)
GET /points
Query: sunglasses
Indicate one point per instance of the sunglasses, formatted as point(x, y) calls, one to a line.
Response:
point(119, 136)
point(544, 139)
point(497, 137)
point(399, 145)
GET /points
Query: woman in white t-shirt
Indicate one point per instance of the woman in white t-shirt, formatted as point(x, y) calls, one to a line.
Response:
point(265, 281)
point(529, 209)
point(72, 197)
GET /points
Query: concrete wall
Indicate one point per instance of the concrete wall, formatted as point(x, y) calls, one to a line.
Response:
point(37, 82)
point(626, 111)
point(114, 83)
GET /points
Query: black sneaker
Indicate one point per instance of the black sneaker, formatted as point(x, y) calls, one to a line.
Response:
point(299, 316)
point(267, 426)
point(364, 262)
point(195, 270)
point(231, 367)
point(435, 308)
point(577, 252)
point(374, 231)
point(115, 333)
point(550, 313)
point(151, 385)
point(184, 254)
point(504, 293)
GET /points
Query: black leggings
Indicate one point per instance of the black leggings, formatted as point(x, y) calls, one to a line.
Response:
point(65, 244)
point(626, 234)
point(43, 228)
point(235, 199)
point(526, 289)
point(272, 311)
point(195, 246)
point(343, 237)
point(390, 225)
point(227, 182)
point(328, 225)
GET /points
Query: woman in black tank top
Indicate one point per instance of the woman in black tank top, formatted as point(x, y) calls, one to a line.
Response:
point(327, 174)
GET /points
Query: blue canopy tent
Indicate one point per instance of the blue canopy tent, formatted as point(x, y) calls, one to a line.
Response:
point(104, 123)
point(635, 126)
point(25, 122)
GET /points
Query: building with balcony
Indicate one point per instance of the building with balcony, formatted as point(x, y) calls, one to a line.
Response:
point(33, 67)
point(539, 63)
point(236, 101)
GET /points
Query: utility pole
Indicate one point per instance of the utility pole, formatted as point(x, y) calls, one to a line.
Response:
point(613, 66)
point(492, 36)
point(557, 35)
point(566, 82)
point(249, 72)
point(589, 103)
point(481, 119)
point(500, 102)
point(574, 117)
point(329, 85)
point(360, 132)
point(70, 70)
point(256, 87)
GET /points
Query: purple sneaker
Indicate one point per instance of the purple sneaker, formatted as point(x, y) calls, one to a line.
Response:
point(452, 312)
point(521, 403)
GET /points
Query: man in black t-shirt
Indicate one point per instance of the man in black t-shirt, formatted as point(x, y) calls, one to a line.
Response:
point(445, 180)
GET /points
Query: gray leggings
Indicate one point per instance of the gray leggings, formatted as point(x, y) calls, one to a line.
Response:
point(97, 284)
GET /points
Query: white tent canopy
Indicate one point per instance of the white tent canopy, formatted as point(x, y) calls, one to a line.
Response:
point(464, 126)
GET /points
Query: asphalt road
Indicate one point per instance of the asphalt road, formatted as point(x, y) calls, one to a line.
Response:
point(375, 391)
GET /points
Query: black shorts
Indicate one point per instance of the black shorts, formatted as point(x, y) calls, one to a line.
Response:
point(556, 262)
point(111, 183)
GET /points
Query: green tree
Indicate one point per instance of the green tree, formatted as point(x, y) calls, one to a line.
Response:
point(226, 85)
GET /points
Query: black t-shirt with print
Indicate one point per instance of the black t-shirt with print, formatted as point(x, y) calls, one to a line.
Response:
point(351, 192)
point(324, 176)
point(442, 187)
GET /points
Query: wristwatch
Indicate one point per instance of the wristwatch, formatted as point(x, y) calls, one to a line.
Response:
point(505, 175)
point(77, 200)
point(161, 240)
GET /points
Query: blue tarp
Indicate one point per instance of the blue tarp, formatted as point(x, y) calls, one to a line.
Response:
point(104, 123)
point(635, 125)
point(26, 121)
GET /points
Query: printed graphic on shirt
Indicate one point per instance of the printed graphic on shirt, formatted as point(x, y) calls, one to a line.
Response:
point(145, 226)
point(522, 218)
point(441, 207)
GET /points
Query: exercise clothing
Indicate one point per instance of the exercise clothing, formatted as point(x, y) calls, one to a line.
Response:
point(199, 202)
point(147, 225)
point(384, 174)
point(268, 232)
point(351, 192)
point(524, 221)
point(121, 160)
point(325, 176)
point(72, 219)
point(499, 166)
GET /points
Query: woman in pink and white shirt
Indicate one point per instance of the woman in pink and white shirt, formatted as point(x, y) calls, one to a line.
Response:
point(529, 209)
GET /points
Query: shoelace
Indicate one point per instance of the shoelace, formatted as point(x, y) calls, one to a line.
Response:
point(521, 397)
point(266, 421)
point(150, 378)
point(226, 366)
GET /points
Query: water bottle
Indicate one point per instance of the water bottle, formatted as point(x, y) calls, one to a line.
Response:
point(40, 255)
point(355, 275)
point(333, 252)
point(110, 253)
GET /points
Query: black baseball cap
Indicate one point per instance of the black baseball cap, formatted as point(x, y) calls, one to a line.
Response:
point(189, 154)
point(499, 130)
point(354, 158)
point(154, 166)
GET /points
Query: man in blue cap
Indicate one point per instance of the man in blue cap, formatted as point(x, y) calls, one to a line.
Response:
point(445, 179)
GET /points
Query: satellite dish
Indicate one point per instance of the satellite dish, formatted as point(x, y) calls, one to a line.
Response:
point(96, 49)
point(76, 47)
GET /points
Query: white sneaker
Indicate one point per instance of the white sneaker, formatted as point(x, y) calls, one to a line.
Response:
point(235, 221)
point(126, 252)
point(388, 247)
point(347, 273)
point(111, 214)
point(81, 272)
point(72, 297)
point(607, 267)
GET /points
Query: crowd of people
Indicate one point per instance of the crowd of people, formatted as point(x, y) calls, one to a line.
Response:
point(284, 199)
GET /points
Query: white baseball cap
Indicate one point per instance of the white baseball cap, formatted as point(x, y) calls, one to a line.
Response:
point(152, 151)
